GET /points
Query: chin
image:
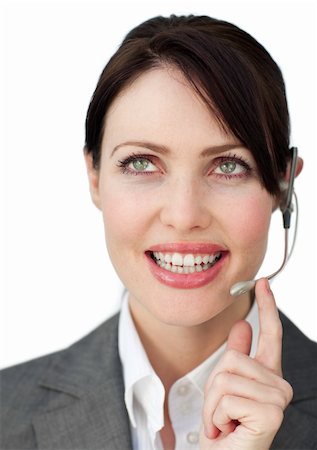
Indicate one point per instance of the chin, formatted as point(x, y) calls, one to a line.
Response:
point(184, 308)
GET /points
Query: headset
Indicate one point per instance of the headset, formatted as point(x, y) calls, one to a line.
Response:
point(286, 207)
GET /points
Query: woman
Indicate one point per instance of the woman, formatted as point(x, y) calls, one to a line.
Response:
point(187, 147)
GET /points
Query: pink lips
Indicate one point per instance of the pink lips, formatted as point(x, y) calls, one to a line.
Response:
point(190, 280)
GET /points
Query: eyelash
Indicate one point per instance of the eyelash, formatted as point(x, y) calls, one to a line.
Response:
point(134, 157)
point(123, 165)
point(234, 158)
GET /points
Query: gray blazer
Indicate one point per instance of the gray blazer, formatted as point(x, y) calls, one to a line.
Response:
point(74, 399)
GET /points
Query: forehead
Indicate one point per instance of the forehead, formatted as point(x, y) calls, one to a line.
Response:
point(162, 104)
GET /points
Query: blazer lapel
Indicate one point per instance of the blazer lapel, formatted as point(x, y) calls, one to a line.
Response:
point(86, 407)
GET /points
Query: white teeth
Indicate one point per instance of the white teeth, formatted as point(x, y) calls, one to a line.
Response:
point(198, 260)
point(206, 259)
point(189, 260)
point(177, 259)
point(178, 263)
point(185, 260)
point(212, 257)
point(168, 258)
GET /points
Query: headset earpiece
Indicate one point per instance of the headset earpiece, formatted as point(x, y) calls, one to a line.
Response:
point(284, 185)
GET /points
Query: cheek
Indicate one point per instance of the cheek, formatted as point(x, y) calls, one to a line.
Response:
point(125, 217)
point(248, 221)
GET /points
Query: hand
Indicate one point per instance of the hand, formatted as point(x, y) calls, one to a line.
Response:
point(245, 397)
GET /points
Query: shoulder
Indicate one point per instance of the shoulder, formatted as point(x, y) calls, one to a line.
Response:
point(21, 397)
point(32, 387)
point(299, 361)
point(29, 373)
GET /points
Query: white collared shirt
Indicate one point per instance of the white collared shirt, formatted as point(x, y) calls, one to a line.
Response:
point(144, 392)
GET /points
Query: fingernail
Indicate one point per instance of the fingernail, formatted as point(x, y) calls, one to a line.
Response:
point(268, 287)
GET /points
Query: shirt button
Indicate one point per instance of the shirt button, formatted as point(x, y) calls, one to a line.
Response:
point(192, 437)
point(183, 389)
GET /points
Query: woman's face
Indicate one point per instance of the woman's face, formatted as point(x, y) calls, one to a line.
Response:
point(184, 212)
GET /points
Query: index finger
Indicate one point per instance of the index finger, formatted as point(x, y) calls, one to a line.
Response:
point(269, 351)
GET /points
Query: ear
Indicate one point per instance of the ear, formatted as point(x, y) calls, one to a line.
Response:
point(299, 168)
point(93, 178)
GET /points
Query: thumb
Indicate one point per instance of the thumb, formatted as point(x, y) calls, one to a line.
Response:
point(240, 337)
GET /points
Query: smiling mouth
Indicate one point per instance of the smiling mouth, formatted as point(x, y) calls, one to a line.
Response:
point(185, 264)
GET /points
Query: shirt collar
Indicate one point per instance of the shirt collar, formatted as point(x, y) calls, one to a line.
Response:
point(140, 380)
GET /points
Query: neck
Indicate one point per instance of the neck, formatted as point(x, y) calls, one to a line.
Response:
point(174, 351)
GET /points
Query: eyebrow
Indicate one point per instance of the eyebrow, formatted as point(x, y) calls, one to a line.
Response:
point(165, 150)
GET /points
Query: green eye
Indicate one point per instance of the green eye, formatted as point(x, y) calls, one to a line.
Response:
point(228, 166)
point(140, 164)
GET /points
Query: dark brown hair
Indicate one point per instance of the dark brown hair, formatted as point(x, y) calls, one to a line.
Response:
point(235, 76)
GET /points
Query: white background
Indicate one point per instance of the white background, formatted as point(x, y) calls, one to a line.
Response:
point(57, 281)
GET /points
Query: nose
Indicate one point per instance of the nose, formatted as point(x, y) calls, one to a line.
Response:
point(184, 206)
